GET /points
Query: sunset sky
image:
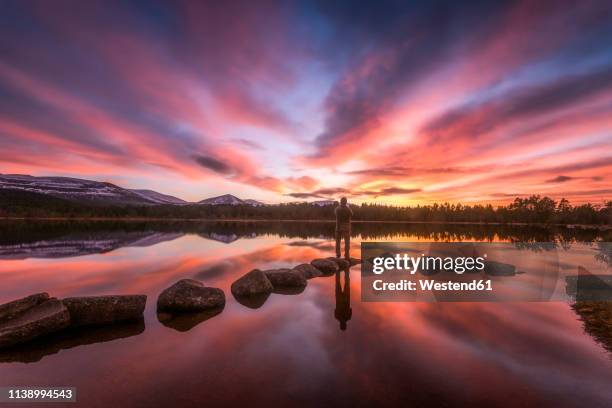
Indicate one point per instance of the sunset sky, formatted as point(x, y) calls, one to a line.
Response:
point(396, 102)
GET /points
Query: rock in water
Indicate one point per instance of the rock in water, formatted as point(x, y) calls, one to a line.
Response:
point(286, 278)
point(42, 319)
point(341, 262)
point(189, 295)
point(253, 283)
point(326, 266)
point(499, 268)
point(308, 271)
point(92, 310)
point(15, 308)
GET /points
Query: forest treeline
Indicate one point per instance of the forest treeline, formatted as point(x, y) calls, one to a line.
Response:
point(534, 209)
point(19, 232)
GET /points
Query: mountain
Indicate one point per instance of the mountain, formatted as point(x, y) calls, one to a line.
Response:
point(254, 203)
point(323, 203)
point(76, 190)
point(65, 191)
point(159, 198)
point(228, 199)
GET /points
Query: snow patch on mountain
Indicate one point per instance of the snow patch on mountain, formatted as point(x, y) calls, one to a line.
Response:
point(254, 203)
point(228, 199)
point(323, 203)
point(159, 198)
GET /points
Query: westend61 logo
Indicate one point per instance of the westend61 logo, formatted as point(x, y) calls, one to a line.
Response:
point(484, 272)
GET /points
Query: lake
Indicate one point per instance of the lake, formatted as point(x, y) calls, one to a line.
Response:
point(322, 346)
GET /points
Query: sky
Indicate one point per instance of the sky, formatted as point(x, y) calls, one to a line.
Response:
point(394, 102)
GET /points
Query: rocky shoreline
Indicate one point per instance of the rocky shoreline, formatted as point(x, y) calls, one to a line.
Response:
point(180, 307)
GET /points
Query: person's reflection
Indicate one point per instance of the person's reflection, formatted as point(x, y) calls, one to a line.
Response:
point(343, 310)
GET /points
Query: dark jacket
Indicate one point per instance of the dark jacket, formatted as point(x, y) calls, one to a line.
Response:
point(343, 218)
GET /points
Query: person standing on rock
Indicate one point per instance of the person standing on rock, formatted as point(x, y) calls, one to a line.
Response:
point(343, 227)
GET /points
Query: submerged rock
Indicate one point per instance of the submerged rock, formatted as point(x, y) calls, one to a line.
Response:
point(326, 266)
point(285, 278)
point(13, 309)
point(341, 262)
point(252, 283)
point(39, 320)
point(499, 268)
point(308, 271)
point(589, 287)
point(189, 295)
point(93, 310)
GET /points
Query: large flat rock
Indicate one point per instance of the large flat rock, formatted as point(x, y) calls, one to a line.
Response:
point(189, 295)
point(42, 319)
point(13, 309)
point(93, 310)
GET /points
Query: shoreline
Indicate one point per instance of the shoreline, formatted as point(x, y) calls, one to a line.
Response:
point(246, 220)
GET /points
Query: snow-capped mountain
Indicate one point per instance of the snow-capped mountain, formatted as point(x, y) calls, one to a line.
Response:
point(79, 190)
point(96, 192)
point(254, 203)
point(323, 203)
point(228, 199)
point(159, 198)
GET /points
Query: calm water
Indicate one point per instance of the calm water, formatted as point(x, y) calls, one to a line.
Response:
point(292, 351)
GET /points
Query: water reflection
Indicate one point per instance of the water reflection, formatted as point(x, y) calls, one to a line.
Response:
point(253, 301)
point(396, 354)
point(343, 311)
point(21, 240)
point(35, 350)
point(186, 321)
point(596, 318)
